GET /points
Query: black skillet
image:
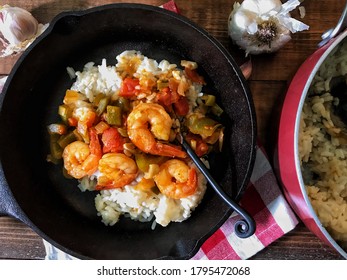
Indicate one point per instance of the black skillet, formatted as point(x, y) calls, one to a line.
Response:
point(37, 193)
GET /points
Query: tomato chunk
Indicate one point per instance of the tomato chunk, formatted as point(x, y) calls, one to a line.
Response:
point(200, 146)
point(194, 76)
point(181, 106)
point(129, 88)
point(167, 97)
point(112, 141)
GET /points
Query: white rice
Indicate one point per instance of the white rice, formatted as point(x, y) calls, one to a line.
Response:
point(97, 79)
point(146, 206)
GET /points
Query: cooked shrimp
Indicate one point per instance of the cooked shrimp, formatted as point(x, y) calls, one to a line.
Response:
point(148, 122)
point(85, 117)
point(176, 179)
point(116, 171)
point(81, 159)
point(78, 160)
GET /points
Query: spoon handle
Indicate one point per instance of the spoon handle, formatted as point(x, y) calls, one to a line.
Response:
point(243, 228)
point(333, 32)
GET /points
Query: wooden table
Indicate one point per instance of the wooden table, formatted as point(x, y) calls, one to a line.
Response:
point(269, 80)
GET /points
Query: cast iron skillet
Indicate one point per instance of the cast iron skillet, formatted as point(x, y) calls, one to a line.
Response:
point(36, 192)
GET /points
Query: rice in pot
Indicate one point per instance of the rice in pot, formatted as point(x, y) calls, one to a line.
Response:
point(323, 148)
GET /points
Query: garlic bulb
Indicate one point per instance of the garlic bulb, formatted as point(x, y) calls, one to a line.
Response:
point(18, 28)
point(259, 26)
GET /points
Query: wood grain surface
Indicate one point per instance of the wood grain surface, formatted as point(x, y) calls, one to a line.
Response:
point(269, 80)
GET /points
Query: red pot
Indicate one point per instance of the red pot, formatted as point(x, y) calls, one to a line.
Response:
point(288, 163)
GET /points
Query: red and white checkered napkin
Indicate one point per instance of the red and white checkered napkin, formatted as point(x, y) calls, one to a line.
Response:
point(265, 202)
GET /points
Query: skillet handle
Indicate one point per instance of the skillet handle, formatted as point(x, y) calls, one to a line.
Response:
point(8, 204)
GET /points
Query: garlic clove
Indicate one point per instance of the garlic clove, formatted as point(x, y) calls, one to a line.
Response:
point(17, 24)
point(18, 29)
point(261, 8)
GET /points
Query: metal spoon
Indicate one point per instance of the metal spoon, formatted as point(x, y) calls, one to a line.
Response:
point(331, 33)
point(243, 228)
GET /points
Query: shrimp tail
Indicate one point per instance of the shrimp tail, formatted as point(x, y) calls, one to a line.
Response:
point(168, 150)
point(91, 163)
point(192, 178)
point(94, 144)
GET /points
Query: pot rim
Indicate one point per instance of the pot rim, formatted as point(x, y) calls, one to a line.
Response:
point(327, 51)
